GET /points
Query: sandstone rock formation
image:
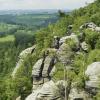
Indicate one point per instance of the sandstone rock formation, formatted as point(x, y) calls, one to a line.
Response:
point(49, 91)
point(22, 57)
point(76, 94)
point(93, 72)
point(44, 88)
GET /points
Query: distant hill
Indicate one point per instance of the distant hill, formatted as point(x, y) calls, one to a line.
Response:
point(28, 19)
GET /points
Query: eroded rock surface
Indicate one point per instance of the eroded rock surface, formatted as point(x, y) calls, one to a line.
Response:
point(76, 94)
point(93, 72)
point(21, 57)
point(49, 91)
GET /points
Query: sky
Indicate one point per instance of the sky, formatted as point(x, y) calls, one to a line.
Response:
point(42, 4)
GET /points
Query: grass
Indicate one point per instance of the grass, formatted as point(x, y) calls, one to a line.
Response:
point(7, 38)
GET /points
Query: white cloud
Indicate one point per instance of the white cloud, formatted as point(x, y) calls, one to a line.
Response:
point(42, 4)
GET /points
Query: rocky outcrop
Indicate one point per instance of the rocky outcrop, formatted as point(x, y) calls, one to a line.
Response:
point(93, 72)
point(44, 88)
point(64, 53)
point(90, 26)
point(73, 36)
point(43, 71)
point(49, 63)
point(22, 57)
point(49, 91)
point(76, 94)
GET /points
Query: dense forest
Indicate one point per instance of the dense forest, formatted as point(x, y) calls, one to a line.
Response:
point(16, 34)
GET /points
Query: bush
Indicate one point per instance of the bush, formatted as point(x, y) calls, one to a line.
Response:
point(94, 56)
point(92, 38)
point(24, 38)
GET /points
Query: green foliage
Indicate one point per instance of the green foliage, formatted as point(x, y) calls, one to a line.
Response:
point(80, 82)
point(79, 61)
point(92, 38)
point(60, 28)
point(8, 56)
point(97, 97)
point(95, 18)
point(59, 74)
point(23, 38)
point(7, 38)
point(7, 89)
point(23, 78)
point(72, 44)
point(80, 20)
point(94, 56)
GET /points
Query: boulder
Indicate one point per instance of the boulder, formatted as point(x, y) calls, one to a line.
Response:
point(93, 72)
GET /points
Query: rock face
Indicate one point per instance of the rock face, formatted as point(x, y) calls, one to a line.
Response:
point(37, 68)
point(63, 50)
point(76, 94)
point(48, 65)
point(64, 53)
point(49, 91)
point(22, 56)
point(93, 72)
point(43, 86)
point(43, 71)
